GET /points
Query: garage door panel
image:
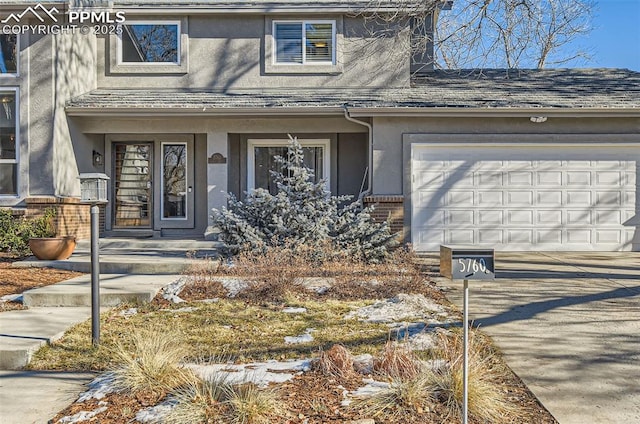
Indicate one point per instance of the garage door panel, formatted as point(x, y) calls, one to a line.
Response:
point(549, 217)
point(578, 198)
point(489, 179)
point(491, 236)
point(491, 217)
point(578, 178)
point(549, 198)
point(461, 198)
point(579, 218)
point(490, 198)
point(608, 198)
point(522, 198)
point(610, 179)
point(609, 236)
point(549, 236)
point(520, 217)
point(460, 217)
point(520, 178)
point(561, 199)
point(577, 236)
point(520, 236)
point(460, 237)
point(548, 178)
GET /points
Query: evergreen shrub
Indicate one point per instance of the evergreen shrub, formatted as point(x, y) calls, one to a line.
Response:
point(302, 212)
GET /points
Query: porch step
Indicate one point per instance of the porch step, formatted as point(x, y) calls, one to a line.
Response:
point(114, 290)
point(134, 256)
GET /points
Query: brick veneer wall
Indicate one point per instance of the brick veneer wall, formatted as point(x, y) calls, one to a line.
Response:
point(72, 218)
point(388, 208)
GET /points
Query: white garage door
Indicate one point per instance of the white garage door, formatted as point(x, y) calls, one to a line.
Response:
point(538, 197)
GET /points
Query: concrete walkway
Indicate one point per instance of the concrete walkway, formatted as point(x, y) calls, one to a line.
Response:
point(569, 326)
point(34, 397)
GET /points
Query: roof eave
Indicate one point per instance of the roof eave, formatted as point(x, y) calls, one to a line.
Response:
point(362, 112)
point(249, 9)
point(199, 112)
point(515, 112)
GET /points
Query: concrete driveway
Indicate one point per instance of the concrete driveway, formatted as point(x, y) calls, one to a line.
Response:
point(569, 326)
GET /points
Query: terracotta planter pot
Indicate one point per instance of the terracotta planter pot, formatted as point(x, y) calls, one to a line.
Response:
point(52, 248)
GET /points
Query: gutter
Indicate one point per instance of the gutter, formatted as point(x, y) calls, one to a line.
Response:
point(348, 117)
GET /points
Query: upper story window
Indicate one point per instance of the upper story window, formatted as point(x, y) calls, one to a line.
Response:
point(304, 42)
point(150, 42)
point(8, 54)
point(8, 142)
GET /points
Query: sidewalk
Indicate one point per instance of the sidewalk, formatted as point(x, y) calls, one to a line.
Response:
point(34, 397)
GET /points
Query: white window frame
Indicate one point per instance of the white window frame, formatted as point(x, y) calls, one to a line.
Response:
point(178, 23)
point(17, 72)
point(186, 176)
point(251, 156)
point(304, 42)
point(15, 161)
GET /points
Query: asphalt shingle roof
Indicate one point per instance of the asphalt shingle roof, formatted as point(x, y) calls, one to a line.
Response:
point(514, 89)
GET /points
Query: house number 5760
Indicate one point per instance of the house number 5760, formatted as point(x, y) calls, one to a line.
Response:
point(472, 265)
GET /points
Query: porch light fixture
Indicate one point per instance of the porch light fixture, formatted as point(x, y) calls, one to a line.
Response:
point(97, 158)
point(93, 191)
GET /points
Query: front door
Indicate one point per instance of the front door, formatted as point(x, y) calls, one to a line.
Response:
point(133, 187)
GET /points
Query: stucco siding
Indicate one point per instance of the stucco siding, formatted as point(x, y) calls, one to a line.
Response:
point(227, 51)
point(388, 162)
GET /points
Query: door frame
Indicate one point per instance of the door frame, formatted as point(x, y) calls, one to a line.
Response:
point(157, 141)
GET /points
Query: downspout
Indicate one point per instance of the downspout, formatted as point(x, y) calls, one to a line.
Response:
point(348, 117)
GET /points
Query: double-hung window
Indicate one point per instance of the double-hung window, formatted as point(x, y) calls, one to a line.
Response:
point(304, 42)
point(9, 154)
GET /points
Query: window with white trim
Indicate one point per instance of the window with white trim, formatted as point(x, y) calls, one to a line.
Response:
point(9, 154)
point(304, 42)
point(150, 42)
point(262, 160)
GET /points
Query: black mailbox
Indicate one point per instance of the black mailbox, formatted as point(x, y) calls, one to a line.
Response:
point(467, 263)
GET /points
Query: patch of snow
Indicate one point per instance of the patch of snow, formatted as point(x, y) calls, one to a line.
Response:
point(99, 387)
point(17, 297)
point(129, 312)
point(422, 341)
point(398, 308)
point(82, 416)
point(259, 373)
point(156, 414)
point(363, 363)
point(304, 338)
point(294, 310)
point(371, 388)
point(232, 285)
point(177, 311)
point(320, 285)
point(171, 291)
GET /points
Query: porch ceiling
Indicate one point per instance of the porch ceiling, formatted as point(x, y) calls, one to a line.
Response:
point(587, 92)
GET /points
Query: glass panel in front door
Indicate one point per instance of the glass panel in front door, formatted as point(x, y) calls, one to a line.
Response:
point(133, 171)
point(174, 181)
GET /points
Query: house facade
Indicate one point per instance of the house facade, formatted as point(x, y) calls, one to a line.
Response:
point(183, 103)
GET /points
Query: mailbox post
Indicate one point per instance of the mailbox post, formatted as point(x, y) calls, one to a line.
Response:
point(466, 263)
point(93, 191)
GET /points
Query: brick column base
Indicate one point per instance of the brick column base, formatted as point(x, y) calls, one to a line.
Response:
point(390, 209)
point(72, 218)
